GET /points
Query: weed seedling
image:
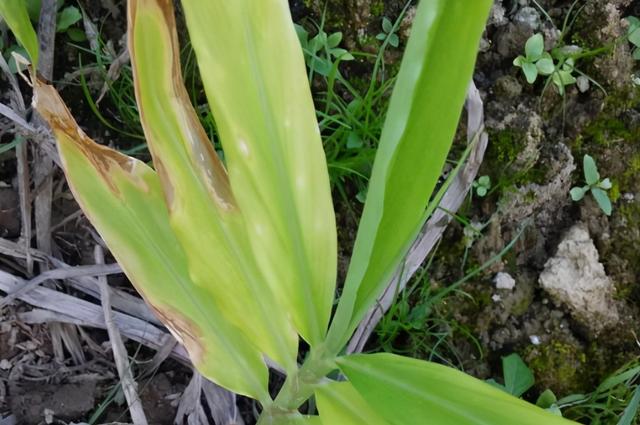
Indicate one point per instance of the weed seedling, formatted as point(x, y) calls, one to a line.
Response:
point(535, 61)
point(389, 32)
point(518, 378)
point(321, 52)
point(633, 35)
point(482, 186)
point(595, 185)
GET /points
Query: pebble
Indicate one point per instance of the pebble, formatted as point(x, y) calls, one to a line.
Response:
point(504, 281)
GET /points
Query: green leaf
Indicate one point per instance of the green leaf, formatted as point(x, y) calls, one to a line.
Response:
point(631, 411)
point(302, 33)
point(545, 66)
point(259, 93)
point(76, 34)
point(530, 71)
point(419, 128)
point(605, 184)
point(485, 181)
point(381, 36)
point(519, 61)
point(481, 191)
point(124, 200)
point(205, 214)
point(15, 66)
point(636, 54)
point(534, 47)
point(577, 193)
point(394, 40)
point(602, 199)
point(546, 399)
point(33, 8)
point(591, 175)
point(15, 14)
point(342, 54)
point(354, 141)
point(402, 389)
point(634, 30)
point(339, 403)
point(518, 378)
point(67, 17)
point(387, 26)
point(334, 39)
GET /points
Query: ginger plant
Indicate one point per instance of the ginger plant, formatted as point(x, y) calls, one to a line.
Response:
point(238, 259)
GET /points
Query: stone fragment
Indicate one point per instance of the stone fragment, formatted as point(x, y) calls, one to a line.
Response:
point(504, 281)
point(575, 277)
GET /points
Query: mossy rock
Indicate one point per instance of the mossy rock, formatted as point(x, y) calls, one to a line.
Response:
point(558, 366)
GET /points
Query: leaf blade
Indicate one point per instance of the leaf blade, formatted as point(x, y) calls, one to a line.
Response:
point(340, 403)
point(124, 200)
point(269, 133)
point(14, 12)
point(406, 167)
point(203, 210)
point(402, 389)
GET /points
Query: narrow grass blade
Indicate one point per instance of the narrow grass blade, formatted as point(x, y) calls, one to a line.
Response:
point(204, 213)
point(340, 403)
point(404, 390)
point(14, 13)
point(123, 199)
point(420, 125)
point(254, 75)
point(631, 410)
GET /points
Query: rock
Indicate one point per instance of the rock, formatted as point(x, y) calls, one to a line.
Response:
point(576, 278)
point(504, 281)
point(529, 17)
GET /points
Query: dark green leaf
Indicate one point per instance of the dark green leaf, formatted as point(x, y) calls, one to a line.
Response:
point(334, 39)
point(69, 16)
point(546, 399)
point(518, 378)
point(387, 26)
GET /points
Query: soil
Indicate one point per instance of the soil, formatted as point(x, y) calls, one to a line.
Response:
point(534, 158)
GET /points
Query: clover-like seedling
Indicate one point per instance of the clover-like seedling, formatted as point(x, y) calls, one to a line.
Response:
point(633, 35)
point(535, 61)
point(563, 76)
point(321, 51)
point(482, 186)
point(597, 187)
point(388, 31)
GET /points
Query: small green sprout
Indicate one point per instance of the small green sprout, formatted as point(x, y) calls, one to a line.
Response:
point(633, 35)
point(482, 186)
point(321, 51)
point(388, 31)
point(518, 378)
point(536, 61)
point(597, 187)
point(66, 19)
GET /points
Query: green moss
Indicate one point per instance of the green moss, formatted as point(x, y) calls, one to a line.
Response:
point(557, 366)
point(377, 8)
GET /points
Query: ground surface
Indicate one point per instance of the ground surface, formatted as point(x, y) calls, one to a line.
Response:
point(565, 297)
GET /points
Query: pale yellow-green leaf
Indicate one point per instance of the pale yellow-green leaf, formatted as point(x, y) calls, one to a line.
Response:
point(15, 14)
point(408, 391)
point(123, 199)
point(340, 403)
point(204, 214)
point(254, 75)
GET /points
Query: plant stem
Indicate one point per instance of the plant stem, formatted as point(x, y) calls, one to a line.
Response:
point(298, 387)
